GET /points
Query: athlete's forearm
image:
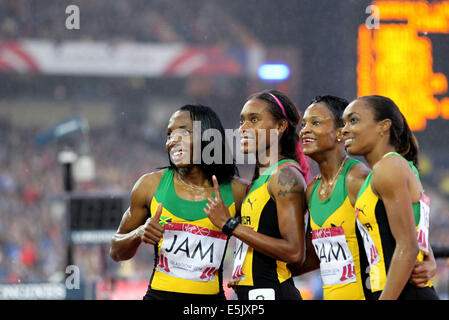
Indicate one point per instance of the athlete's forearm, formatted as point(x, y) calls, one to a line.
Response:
point(311, 263)
point(279, 249)
point(124, 246)
point(401, 267)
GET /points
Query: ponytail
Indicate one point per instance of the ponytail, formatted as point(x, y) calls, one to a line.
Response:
point(401, 137)
point(303, 164)
point(408, 144)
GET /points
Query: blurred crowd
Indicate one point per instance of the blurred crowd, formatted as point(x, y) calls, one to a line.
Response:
point(205, 22)
point(32, 207)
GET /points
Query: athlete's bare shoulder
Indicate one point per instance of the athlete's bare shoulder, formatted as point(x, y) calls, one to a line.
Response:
point(354, 180)
point(148, 179)
point(358, 171)
point(141, 195)
point(146, 186)
point(391, 167)
point(390, 174)
point(286, 179)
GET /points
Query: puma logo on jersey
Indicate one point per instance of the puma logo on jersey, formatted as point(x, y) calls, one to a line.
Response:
point(357, 210)
point(251, 203)
point(341, 224)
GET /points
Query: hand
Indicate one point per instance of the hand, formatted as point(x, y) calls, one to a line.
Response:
point(423, 272)
point(216, 210)
point(151, 232)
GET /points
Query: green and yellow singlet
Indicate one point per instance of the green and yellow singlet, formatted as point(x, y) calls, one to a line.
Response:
point(372, 214)
point(189, 257)
point(334, 234)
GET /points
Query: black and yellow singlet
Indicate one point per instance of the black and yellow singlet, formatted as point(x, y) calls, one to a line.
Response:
point(189, 257)
point(258, 270)
point(371, 212)
point(334, 231)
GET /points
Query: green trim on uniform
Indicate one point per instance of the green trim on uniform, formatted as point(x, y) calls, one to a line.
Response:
point(185, 209)
point(416, 206)
point(365, 184)
point(324, 209)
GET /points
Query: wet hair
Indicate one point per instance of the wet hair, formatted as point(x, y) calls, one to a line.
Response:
point(289, 143)
point(336, 105)
point(401, 137)
point(224, 171)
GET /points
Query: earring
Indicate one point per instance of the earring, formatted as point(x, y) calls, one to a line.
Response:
point(338, 139)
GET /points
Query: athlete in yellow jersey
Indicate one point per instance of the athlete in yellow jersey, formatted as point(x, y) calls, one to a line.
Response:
point(189, 249)
point(271, 232)
point(334, 242)
point(392, 209)
point(332, 233)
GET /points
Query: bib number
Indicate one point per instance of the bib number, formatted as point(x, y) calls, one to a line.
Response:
point(336, 261)
point(370, 248)
point(191, 252)
point(240, 251)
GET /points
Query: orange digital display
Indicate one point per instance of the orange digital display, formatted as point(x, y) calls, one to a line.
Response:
point(396, 58)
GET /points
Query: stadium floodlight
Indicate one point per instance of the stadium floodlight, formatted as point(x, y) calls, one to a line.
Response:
point(273, 71)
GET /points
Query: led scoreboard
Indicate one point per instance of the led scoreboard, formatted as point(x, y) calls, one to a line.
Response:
point(395, 59)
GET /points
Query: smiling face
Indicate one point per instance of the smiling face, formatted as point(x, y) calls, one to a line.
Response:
point(255, 125)
point(361, 130)
point(319, 132)
point(180, 139)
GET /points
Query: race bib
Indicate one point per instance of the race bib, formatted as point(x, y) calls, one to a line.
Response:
point(370, 248)
point(191, 252)
point(423, 225)
point(240, 251)
point(336, 261)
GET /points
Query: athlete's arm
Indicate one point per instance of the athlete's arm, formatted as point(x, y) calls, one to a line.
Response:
point(424, 270)
point(311, 261)
point(288, 191)
point(133, 229)
point(390, 182)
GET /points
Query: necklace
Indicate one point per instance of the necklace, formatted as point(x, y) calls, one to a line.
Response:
point(330, 185)
point(191, 186)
